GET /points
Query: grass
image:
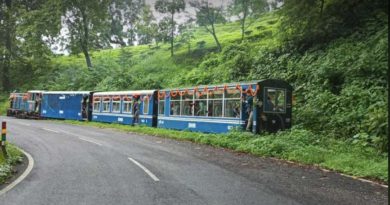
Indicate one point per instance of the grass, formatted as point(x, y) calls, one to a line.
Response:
point(262, 31)
point(14, 157)
point(296, 145)
point(4, 104)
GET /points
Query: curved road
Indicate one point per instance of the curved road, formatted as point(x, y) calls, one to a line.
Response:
point(86, 165)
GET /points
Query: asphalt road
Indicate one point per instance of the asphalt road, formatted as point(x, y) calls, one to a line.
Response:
point(85, 165)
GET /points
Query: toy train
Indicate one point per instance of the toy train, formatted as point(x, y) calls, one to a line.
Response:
point(263, 105)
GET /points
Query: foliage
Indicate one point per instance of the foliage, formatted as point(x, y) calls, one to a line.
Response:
point(309, 22)
point(207, 15)
point(15, 156)
point(247, 11)
point(87, 25)
point(172, 7)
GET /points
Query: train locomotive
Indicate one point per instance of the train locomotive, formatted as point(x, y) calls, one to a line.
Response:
point(263, 105)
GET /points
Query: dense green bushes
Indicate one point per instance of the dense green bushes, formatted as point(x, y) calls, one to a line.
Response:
point(14, 157)
point(340, 88)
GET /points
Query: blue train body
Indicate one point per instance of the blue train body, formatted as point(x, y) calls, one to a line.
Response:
point(221, 108)
point(69, 105)
point(120, 107)
point(264, 105)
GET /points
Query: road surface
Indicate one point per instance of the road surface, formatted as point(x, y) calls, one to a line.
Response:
point(86, 165)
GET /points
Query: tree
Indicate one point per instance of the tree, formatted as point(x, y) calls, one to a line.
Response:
point(187, 33)
point(247, 11)
point(87, 22)
point(309, 22)
point(8, 37)
point(125, 15)
point(26, 32)
point(146, 27)
point(207, 16)
point(164, 30)
point(172, 7)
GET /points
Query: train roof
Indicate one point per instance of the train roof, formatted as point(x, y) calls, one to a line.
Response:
point(36, 91)
point(67, 92)
point(132, 92)
point(275, 81)
point(219, 85)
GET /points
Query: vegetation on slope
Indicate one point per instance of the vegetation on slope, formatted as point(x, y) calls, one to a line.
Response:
point(14, 157)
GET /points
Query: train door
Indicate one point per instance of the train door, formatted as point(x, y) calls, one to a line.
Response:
point(90, 106)
point(85, 107)
point(155, 109)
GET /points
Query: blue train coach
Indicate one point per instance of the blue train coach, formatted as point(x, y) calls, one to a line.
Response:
point(69, 105)
point(263, 105)
point(126, 107)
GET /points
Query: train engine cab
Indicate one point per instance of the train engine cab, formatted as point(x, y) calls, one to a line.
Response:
point(16, 104)
point(272, 106)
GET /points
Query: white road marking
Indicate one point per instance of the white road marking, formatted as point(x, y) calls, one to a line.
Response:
point(91, 141)
point(145, 169)
point(69, 133)
point(50, 130)
point(22, 123)
point(21, 177)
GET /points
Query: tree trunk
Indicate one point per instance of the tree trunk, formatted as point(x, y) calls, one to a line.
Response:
point(322, 8)
point(84, 42)
point(243, 25)
point(8, 47)
point(215, 38)
point(87, 58)
point(172, 29)
point(242, 29)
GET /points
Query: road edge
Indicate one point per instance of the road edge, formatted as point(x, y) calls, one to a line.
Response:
point(22, 176)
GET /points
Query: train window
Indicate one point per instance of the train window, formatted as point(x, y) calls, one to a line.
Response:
point(146, 105)
point(127, 104)
point(275, 100)
point(187, 103)
point(215, 104)
point(96, 104)
point(175, 105)
point(116, 104)
point(232, 103)
point(200, 104)
point(161, 105)
point(106, 104)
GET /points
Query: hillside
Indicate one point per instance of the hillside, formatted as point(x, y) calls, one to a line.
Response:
point(340, 84)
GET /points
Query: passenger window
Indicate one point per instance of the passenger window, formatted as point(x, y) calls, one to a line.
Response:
point(187, 103)
point(106, 104)
point(175, 105)
point(96, 104)
point(146, 105)
point(116, 104)
point(233, 103)
point(200, 105)
point(275, 100)
point(215, 103)
point(127, 104)
point(161, 104)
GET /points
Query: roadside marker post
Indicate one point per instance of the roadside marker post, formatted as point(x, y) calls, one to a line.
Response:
point(4, 138)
